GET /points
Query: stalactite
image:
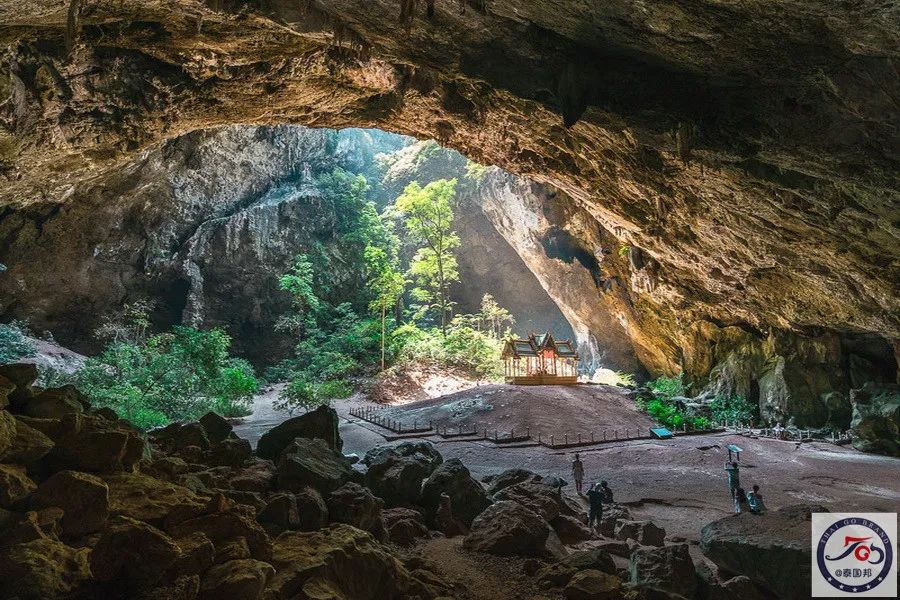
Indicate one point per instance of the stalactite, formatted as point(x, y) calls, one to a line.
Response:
point(73, 25)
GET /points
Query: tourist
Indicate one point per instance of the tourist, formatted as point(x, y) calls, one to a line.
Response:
point(595, 506)
point(755, 501)
point(734, 482)
point(577, 472)
point(607, 493)
point(778, 430)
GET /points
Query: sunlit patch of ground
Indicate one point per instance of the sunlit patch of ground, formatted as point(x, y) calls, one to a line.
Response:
point(405, 383)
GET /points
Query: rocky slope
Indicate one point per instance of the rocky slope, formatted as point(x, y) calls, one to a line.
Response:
point(746, 153)
point(90, 508)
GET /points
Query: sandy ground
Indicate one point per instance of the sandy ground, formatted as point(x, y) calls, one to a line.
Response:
point(678, 483)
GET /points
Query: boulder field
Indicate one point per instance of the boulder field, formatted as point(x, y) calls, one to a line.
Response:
point(91, 507)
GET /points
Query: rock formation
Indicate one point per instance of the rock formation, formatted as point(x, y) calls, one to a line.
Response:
point(743, 156)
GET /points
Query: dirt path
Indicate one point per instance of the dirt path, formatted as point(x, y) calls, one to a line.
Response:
point(678, 483)
point(483, 576)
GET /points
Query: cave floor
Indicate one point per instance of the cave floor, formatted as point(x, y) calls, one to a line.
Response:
point(679, 484)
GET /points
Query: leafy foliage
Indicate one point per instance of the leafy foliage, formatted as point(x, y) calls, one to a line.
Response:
point(475, 171)
point(429, 220)
point(667, 387)
point(178, 375)
point(733, 409)
point(665, 410)
point(13, 343)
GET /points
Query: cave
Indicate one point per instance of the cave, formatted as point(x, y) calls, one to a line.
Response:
point(703, 197)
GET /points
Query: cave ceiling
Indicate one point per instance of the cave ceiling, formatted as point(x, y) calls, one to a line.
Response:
point(749, 149)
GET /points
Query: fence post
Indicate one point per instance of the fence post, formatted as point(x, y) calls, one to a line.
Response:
point(539, 437)
point(565, 439)
point(552, 445)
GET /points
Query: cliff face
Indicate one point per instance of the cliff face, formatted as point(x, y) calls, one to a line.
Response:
point(205, 225)
point(745, 153)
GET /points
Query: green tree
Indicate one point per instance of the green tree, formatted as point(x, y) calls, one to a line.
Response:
point(494, 317)
point(428, 216)
point(386, 284)
point(298, 282)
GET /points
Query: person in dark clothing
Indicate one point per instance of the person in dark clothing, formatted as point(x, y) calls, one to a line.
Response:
point(595, 506)
point(607, 493)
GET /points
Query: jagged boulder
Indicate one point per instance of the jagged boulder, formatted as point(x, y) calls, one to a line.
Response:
point(875, 425)
point(467, 497)
point(612, 514)
point(280, 513)
point(227, 525)
point(404, 525)
point(571, 529)
point(645, 533)
point(507, 528)
point(312, 508)
point(15, 485)
point(84, 499)
point(255, 475)
point(321, 424)
point(396, 473)
point(668, 568)
point(178, 437)
point(7, 387)
point(239, 579)
point(232, 451)
point(42, 569)
point(772, 549)
point(132, 554)
point(560, 572)
point(55, 403)
point(312, 463)
point(217, 428)
point(27, 446)
point(22, 376)
point(509, 477)
point(355, 505)
point(592, 584)
point(7, 432)
point(94, 444)
point(341, 562)
point(149, 499)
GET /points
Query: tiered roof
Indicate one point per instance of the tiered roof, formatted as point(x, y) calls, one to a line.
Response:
point(534, 344)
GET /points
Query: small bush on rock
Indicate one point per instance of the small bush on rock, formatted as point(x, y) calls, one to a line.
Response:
point(13, 343)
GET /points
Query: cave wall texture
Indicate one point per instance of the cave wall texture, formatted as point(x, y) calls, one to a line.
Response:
point(204, 225)
point(744, 153)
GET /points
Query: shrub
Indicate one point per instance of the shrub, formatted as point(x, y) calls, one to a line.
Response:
point(733, 408)
point(298, 393)
point(13, 343)
point(329, 390)
point(667, 387)
point(178, 375)
point(235, 389)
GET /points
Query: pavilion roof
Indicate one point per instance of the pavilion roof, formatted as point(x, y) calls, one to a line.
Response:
point(535, 343)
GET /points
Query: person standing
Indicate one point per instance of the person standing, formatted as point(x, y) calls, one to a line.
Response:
point(577, 472)
point(734, 484)
point(595, 506)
